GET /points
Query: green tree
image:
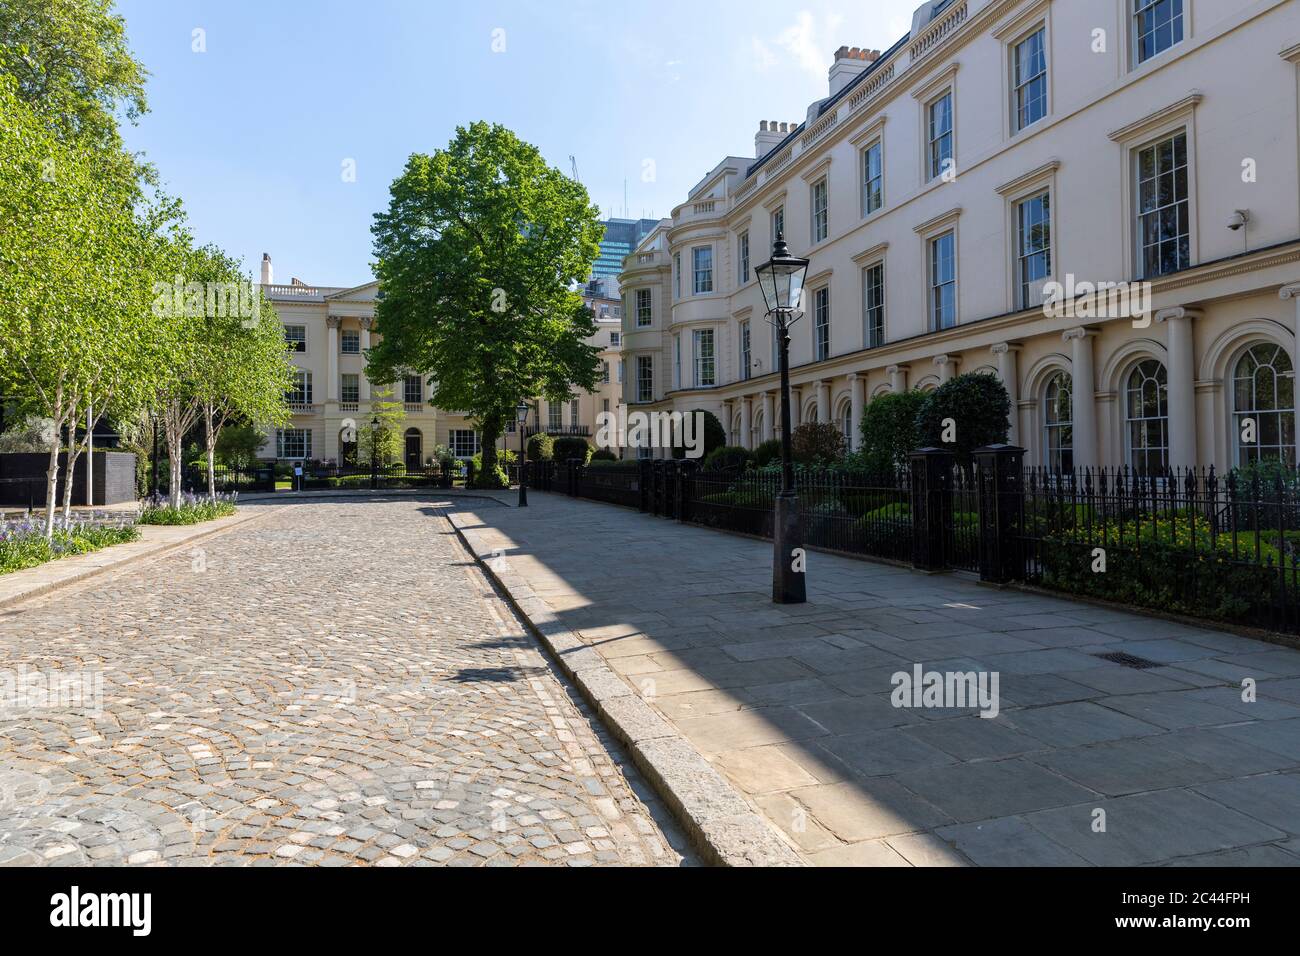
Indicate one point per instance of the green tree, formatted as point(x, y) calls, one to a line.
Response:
point(815, 443)
point(889, 431)
point(71, 65)
point(75, 244)
point(965, 413)
point(383, 438)
point(478, 255)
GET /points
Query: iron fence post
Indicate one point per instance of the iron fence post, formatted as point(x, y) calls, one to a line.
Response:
point(646, 476)
point(685, 483)
point(931, 499)
point(999, 478)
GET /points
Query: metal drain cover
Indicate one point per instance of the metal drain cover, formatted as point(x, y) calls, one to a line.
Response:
point(1128, 660)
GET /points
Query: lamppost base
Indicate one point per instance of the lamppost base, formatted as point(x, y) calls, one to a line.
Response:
point(789, 560)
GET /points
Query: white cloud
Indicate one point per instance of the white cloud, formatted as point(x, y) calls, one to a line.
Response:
point(807, 44)
point(764, 58)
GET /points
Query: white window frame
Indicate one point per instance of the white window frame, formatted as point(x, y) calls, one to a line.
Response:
point(868, 340)
point(778, 222)
point(705, 353)
point(460, 446)
point(1134, 11)
point(821, 323)
point(645, 378)
point(1018, 87)
point(1130, 419)
point(645, 315)
point(343, 388)
point(298, 339)
point(349, 335)
point(701, 278)
point(301, 393)
point(746, 344)
point(1049, 426)
point(819, 205)
point(299, 434)
point(932, 285)
point(877, 145)
point(742, 253)
point(933, 163)
point(1139, 243)
point(418, 382)
point(1022, 257)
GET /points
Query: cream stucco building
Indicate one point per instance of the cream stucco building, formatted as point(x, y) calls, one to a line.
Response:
point(945, 183)
point(329, 330)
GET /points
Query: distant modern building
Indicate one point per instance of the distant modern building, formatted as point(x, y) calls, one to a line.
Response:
point(621, 237)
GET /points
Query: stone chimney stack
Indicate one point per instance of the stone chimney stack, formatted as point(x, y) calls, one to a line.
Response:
point(770, 132)
point(850, 62)
point(267, 274)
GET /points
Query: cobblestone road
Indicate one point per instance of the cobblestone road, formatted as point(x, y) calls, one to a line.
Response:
point(333, 683)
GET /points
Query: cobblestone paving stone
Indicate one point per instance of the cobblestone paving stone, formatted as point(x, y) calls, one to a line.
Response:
point(333, 684)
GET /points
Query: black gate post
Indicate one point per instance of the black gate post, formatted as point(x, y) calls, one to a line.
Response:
point(931, 499)
point(646, 468)
point(685, 488)
point(1000, 480)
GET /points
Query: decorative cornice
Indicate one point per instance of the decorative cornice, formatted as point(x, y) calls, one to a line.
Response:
point(774, 200)
point(945, 359)
point(333, 321)
point(869, 255)
point(814, 173)
point(870, 131)
point(367, 322)
point(1291, 53)
point(938, 222)
point(1078, 332)
point(1049, 167)
point(1020, 21)
point(818, 279)
point(1002, 348)
point(935, 83)
point(1291, 291)
point(1141, 127)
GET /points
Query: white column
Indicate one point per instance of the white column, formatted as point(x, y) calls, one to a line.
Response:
point(1085, 401)
point(746, 424)
point(823, 401)
point(796, 407)
point(365, 344)
point(1292, 293)
point(947, 366)
point(332, 383)
point(1181, 378)
point(1007, 371)
point(857, 388)
point(897, 378)
point(769, 428)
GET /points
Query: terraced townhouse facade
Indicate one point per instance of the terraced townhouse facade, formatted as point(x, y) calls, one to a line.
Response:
point(945, 184)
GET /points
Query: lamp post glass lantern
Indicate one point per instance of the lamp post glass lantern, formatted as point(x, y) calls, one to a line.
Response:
point(521, 416)
point(781, 280)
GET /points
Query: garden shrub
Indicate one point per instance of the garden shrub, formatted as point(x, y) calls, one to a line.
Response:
point(569, 447)
point(193, 509)
point(23, 544)
point(602, 454)
point(729, 457)
point(715, 436)
point(767, 452)
point(814, 443)
point(889, 431)
point(541, 447)
point(978, 405)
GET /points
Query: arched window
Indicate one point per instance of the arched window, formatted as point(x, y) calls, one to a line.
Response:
point(1263, 405)
point(1058, 423)
point(1146, 413)
point(845, 418)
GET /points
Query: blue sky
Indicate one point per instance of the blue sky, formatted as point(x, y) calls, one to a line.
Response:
point(254, 132)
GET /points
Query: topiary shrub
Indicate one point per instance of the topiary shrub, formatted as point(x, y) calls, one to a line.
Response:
point(767, 452)
point(541, 447)
point(603, 454)
point(815, 443)
point(889, 432)
point(729, 457)
point(979, 409)
point(715, 436)
point(572, 447)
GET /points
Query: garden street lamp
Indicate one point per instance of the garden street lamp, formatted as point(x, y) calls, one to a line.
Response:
point(521, 416)
point(781, 279)
point(374, 453)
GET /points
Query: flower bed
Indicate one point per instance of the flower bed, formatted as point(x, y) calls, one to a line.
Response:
point(23, 544)
point(193, 509)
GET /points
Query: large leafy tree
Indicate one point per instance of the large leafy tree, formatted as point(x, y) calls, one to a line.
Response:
point(970, 411)
point(71, 64)
point(478, 256)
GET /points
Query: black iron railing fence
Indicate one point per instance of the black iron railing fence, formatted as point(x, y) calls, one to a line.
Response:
point(1186, 541)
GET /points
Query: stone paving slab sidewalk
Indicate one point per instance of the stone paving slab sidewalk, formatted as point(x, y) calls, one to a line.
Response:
point(791, 705)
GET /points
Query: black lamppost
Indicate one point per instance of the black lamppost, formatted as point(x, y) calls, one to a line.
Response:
point(521, 416)
point(374, 453)
point(781, 279)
